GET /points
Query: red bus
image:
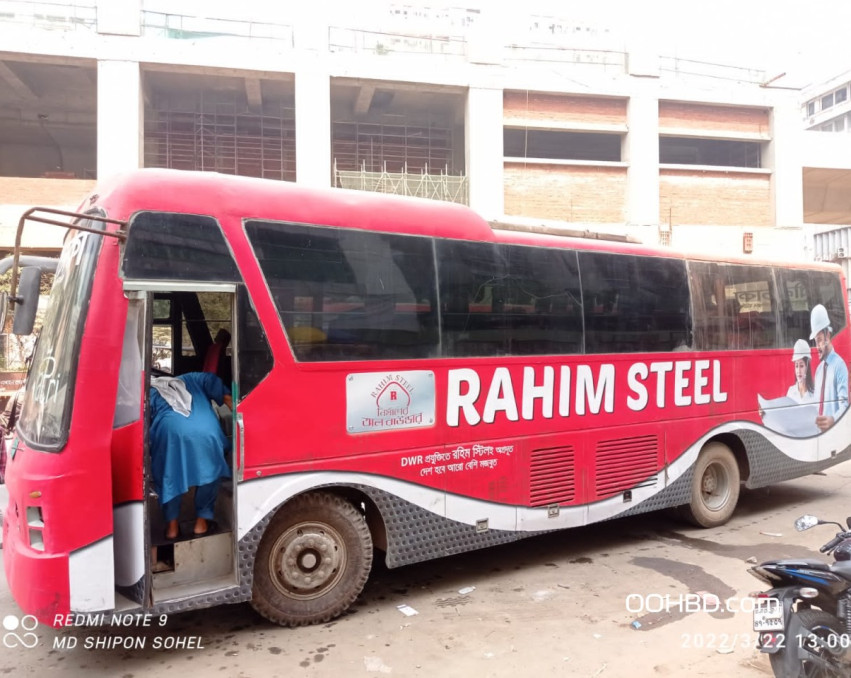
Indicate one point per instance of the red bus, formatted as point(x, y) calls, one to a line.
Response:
point(404, 377)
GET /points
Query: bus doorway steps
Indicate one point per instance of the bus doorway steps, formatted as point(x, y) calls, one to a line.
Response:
point(124, 604)
point(194, 560)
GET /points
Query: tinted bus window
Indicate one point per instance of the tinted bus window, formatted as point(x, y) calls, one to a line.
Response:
point(736, 307)
point(255, 356)
point(827, 290)
point(350, 295)
point(163, 246)
point(508, 299)
point(800, 291)
point(634, 304)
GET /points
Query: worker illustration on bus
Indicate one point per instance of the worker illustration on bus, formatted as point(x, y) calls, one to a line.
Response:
point(816, 400)
point(803, 390)
point(831, 383)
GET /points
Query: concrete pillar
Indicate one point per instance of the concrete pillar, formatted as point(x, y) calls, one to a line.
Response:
point(119, 117)
point(313, 128)
point(486, 39)
point(641, 151)
point(119, 18)
point(484, 151)
point(783, 156)
point(310, 31)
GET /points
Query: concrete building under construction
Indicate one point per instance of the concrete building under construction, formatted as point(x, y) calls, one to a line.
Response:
point(536, 120)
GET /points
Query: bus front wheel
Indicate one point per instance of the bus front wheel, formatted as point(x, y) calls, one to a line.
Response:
point(312, 562)
point(714, 487)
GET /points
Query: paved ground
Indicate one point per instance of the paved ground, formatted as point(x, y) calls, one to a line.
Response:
point(562, 604)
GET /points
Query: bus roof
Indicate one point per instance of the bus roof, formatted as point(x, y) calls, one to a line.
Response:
point(219, 195)
point(252, 198)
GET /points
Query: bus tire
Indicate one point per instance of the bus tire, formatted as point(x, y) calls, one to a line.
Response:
point(714, 487)
point(312, 562)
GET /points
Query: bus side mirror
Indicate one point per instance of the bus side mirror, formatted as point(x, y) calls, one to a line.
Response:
point(26, 303)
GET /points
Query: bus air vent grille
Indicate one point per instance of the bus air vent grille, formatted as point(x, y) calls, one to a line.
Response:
point(552, 476)
point(625, 463)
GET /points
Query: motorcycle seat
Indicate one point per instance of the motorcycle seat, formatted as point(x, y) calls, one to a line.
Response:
point(842, 568)
point(810, 563)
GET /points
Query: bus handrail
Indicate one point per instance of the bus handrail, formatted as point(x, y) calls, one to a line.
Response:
point(28, 215)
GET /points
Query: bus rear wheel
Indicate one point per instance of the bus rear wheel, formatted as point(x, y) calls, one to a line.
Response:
point(312, 562)
point(714, 488)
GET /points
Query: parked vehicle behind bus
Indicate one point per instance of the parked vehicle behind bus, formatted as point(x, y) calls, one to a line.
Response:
point(405, 378)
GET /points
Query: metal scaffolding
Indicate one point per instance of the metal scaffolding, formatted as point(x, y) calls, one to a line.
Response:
point(220, 137)
point(379, 146)
point(422, 184)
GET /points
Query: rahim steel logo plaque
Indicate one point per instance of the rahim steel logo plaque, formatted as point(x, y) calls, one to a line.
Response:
point(388, 401)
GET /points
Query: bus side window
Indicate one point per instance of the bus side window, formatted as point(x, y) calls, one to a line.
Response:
point(255, 355)
point(162, 348)
point(736, 306)
point(368, 295)
point(471, 293)
point(129, 393)
point(634, 304)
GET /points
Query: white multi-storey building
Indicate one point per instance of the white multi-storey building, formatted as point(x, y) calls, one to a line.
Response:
point(526, 118)
point(827, 106)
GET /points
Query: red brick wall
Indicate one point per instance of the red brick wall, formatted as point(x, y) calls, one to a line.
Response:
point(44, 192)
point(521, 108)
point(565, 192)
point(697, 117)
point(715, 198)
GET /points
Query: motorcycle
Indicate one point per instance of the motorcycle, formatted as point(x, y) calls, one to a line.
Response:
point(804, 621)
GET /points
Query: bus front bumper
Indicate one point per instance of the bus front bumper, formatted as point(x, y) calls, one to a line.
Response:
point(38, 581)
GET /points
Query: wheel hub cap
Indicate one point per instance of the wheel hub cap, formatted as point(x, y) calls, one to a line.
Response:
point(308, 560)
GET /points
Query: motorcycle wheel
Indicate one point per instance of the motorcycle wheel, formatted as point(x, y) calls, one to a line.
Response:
point(806, 624)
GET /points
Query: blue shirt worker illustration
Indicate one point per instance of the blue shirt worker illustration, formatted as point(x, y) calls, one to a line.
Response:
point(188, 446)
point(831, 387)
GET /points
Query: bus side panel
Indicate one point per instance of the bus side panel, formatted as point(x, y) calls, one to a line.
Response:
point(127, 455)
point(491, 469)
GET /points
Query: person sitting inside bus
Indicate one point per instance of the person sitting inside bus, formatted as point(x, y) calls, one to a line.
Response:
point(188, 446)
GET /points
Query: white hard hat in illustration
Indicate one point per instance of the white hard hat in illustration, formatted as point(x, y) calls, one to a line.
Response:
point(801, 350)
point(818, 320)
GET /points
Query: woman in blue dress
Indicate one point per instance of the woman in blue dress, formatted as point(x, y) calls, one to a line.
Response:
point(188, 446)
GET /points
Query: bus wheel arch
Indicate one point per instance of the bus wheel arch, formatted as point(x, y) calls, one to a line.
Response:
point(313, 559)
point(374, 518)
point(715, 486)
point(739, 450)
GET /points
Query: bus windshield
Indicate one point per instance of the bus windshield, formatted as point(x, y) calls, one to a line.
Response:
point(45, 413)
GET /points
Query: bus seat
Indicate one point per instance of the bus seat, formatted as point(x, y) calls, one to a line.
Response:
point(306, 335)
point(216, 351)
